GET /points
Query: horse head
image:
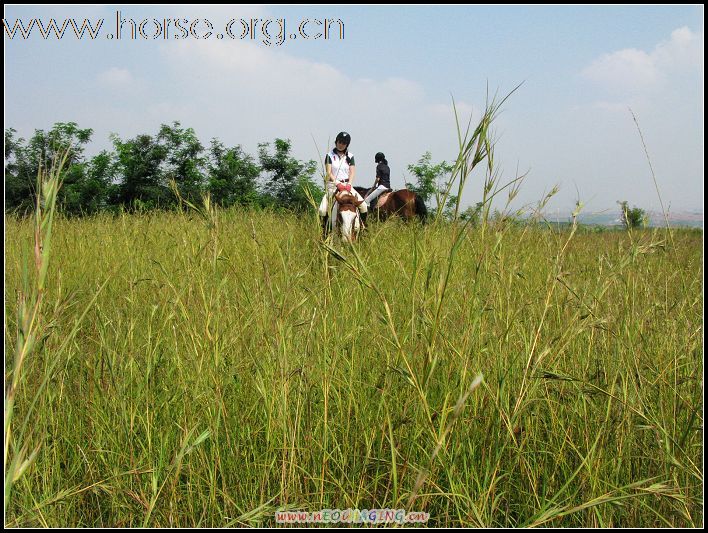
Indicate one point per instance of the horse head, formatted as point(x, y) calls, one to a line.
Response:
point(347, 213)
point(347, 200)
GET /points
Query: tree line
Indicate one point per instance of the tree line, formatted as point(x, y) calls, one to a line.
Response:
point(136, 174)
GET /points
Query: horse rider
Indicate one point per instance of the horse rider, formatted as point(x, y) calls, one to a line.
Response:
point(340, 169)
point(383, 178)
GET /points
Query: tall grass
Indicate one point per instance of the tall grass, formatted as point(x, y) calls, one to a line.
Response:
point(31, 322)
point(230, 364)
point(314, 395)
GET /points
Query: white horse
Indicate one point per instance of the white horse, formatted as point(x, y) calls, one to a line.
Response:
point(348, 215)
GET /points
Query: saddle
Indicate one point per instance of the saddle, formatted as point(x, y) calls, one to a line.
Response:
point(381, 199)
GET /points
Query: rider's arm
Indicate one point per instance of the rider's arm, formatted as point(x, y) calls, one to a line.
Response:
point(352, 172)
point(328, 168)
point(377, 180)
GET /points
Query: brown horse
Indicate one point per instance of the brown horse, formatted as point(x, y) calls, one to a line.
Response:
point(402, 202)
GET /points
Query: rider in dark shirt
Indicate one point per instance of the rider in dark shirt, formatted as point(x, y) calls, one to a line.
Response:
point(383, 178)
point(383, 174)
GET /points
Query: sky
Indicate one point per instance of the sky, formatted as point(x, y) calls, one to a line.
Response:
point(389, 81)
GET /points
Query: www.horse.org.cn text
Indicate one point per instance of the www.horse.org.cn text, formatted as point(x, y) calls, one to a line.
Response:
point(268, 31)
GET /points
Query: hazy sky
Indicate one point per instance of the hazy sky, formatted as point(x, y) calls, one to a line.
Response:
point(389, 83)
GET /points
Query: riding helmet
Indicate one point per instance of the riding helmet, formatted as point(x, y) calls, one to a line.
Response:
point(379, 157)
point(344, 137)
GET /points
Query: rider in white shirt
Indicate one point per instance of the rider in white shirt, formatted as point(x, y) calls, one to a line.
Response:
point(340, 169)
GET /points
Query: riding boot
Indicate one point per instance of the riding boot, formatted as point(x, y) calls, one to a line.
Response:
point(325, 226)
point(363, 219)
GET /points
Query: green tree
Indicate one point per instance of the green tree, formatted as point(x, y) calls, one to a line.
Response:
point(184, 160)
point(23, 160)
point(432, 181)
point(139, 162)
point(473, 214)
point(102, 172)
point(88, 186)
point(233, 176)
point(288, 180)
point(19, 172)
point(634, 217)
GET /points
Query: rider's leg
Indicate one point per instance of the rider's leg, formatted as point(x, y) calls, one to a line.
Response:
point(327, 201)
point(335, 212)
point(363, 207)
point(323, 206)
point(374, 194)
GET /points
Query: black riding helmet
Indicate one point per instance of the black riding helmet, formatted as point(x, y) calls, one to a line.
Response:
point(344, 137)
point(379, 157)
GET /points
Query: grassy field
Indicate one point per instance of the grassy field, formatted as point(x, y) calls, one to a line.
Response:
point(193, 374)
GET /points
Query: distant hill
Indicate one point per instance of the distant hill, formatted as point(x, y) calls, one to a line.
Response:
point(680, 219)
